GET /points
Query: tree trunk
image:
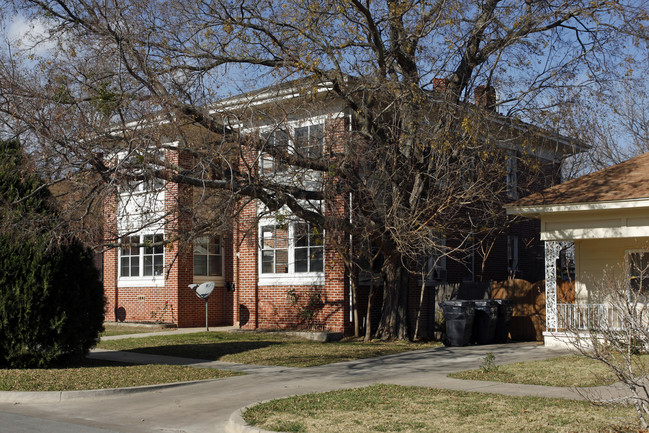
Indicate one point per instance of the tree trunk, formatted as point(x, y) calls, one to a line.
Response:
point(354, 290)
point(368, 314)
point(394, 314)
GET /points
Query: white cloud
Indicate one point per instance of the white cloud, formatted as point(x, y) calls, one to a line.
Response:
point(30, 35)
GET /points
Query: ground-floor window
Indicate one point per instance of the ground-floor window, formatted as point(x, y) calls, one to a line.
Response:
point(208, 256)
point(638, 268)
point(142, 256)
point(291, 248)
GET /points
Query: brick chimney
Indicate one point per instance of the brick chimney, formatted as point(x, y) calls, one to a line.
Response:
point(440, 84)
point(485, 96)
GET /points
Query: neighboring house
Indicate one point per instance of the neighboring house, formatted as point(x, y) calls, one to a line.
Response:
point(606, 215)
point(274, 270)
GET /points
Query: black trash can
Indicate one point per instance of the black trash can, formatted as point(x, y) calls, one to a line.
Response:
point(505, 310)
point(458, 316)
point(484, 324)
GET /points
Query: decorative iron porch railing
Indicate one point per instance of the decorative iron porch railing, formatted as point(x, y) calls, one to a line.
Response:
point(581, 317)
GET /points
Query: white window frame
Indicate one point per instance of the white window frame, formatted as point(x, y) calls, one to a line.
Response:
point(215, 278)
point(291, 277)
point(141, 280)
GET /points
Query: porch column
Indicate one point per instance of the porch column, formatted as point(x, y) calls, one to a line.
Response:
point(552, 249)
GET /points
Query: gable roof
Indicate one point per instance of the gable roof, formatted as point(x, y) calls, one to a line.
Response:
point(627, 181)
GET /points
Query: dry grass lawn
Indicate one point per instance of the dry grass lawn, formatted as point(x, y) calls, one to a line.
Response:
point(261, 348)
point(94, 374)
point(391, 408)
point(567, 371)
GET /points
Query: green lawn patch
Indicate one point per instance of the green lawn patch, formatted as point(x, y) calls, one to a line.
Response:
point(567, 371)
point(392, 408)
point(110, 329)
point(262, 348)
point(96, 374)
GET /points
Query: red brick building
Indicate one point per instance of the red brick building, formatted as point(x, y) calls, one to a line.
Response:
point(273, 270)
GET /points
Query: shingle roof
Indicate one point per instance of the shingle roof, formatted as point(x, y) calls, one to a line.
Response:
point(628, 180)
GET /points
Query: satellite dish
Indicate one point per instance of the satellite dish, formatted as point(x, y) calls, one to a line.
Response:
point(203, 291)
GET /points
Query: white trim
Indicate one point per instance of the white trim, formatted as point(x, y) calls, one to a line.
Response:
point(593, 233)
point(268, 96)
point(577, 207)
point(299, 279)
point(125, 282)
point(140, 281)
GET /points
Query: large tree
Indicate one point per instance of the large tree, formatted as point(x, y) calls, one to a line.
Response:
point(419, 163)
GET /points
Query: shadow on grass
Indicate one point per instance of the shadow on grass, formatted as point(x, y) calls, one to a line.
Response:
point(206, 351)
point(89, 363)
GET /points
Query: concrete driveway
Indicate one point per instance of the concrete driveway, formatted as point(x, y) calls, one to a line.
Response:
point(206, 406)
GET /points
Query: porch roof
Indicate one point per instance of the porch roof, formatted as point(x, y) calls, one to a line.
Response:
point(622, 186)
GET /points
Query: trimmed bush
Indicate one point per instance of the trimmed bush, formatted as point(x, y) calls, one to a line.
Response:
point(51, 299)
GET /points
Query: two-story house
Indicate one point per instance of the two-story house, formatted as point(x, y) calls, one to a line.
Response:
point(272, 269)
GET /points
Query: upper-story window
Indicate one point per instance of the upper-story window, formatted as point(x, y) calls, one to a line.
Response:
point(512, 176)
point(306, 140)
point(208, 256)
point(277, 139)
point(142, 256)
point(309, 140)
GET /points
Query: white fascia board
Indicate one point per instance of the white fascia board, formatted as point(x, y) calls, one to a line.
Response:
point(270, 96)
point(536, 211)
point(594, 233)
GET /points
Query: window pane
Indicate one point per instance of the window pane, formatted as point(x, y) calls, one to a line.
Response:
point(301, 137)
point(158, 249)
point(317, 262)
point(148, 266)
point(281, 261)
point(639, 271)
point(281, 237)
point(125, 271)
point(316, 237)
point(147, 241)
point(267, 262)
point(215, 266)
point(135, 267)
point(200, 265)
point(200, 249)
point(301, 260)
point(301, 235)
point(158, 265)
point(268, 237)
point(215, 246)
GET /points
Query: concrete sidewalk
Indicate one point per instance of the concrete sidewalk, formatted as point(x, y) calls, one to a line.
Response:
point(207, 406)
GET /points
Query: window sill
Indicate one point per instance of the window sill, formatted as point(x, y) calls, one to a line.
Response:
point(140, 282)
point(218, 281)
point(305, 279)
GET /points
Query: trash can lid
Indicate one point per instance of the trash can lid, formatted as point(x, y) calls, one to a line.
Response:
point(485, 303)
point(503, 301)
point(457, 303)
